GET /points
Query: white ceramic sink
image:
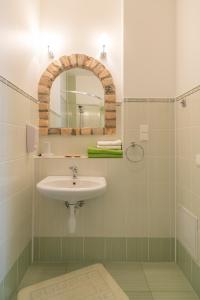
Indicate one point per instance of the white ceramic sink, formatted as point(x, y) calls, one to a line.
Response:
point(66, 189)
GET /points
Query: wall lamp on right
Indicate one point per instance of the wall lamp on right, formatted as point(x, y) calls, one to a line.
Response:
point(103, 41)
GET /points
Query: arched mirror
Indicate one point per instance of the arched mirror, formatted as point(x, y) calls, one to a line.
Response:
point(77, 96)
point(76, 100)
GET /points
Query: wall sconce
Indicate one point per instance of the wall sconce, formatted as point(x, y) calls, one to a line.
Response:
point(104, 41)
point(50, 52)
point(103, 53)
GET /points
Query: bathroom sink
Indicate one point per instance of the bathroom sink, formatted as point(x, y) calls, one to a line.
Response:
point(66, 188)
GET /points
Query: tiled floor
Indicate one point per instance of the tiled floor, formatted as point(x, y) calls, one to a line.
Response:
point(141, 281)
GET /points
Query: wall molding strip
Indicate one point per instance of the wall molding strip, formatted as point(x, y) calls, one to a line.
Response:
point(17, 89)
point(160, 100)
point(188, 93)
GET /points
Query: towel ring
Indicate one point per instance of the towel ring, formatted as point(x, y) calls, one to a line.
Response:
point(133, 146)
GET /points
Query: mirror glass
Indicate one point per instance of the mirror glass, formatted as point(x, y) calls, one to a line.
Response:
point(76, 100)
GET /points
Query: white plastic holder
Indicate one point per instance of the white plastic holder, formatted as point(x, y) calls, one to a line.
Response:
point(72, 219)
point(73, 211)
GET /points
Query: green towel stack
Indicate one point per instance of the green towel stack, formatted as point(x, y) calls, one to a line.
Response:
point(94, 152)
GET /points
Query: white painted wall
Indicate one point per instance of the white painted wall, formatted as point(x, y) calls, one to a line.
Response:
point(19, 31)
point(149, 48)
point(187, 45)
point(76, 27)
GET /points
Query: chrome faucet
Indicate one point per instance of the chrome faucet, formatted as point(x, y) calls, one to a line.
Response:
point(74, 172)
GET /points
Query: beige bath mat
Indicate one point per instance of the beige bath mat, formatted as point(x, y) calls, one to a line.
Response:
point(90, 283)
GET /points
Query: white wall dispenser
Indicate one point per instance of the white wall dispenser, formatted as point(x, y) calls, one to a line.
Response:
point(32, 138)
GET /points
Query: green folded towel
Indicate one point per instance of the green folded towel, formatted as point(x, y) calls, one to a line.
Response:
point(93, 155)
point(98, 151)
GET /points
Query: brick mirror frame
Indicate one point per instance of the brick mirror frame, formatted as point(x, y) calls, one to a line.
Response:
point(55, 69)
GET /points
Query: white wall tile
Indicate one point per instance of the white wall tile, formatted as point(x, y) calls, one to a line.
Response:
point(159, 210)
point(129, 208)
point(49, 217)
point(135, 114)
point(115, 212)
point(160, 115)
point(188, 145)
point(183, 115)
point(16, 170)
point(137, 211)
point(3, 90)
point(95, 217)
point(158, 169)
point(195, 141)
point(160, 143)
point(16, 108)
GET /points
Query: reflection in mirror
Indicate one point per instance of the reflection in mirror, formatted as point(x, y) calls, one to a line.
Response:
point(77, 100)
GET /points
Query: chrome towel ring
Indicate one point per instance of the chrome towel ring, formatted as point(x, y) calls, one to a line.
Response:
point(133, 148)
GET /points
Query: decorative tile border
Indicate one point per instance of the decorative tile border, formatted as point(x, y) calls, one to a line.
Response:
point(163, 100)
point(95, 249)
point(189, 267)
point(189, 93)
point(17, 89)
point(159, 100)
point(10, 283)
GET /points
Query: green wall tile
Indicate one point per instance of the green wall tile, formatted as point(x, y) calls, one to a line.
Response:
point(1, 291)
point(184, 260)
point(72, 249)
point(115, 249)
point(24, 261)
point(172, 249)
point(36, 249)
point(195, 280)
point(188, 266)
point(10, 282)
point(50, 249)
point(159, 249)
point(94, 249)
point(99, 248)
point(179, 254)
point(137, 249)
